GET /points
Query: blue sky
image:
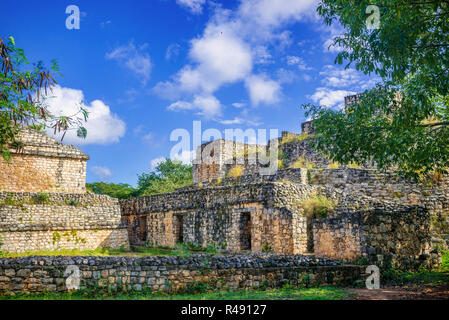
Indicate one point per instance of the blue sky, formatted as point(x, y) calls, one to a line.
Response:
point(145, 68)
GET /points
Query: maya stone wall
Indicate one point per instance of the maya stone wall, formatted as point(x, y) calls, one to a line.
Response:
point(256, 217)
point(401, 238)
point(214, 159)
point(237, 228)
point(32, 173)
point(33, 221)
point(170, 274)
point(43, 165)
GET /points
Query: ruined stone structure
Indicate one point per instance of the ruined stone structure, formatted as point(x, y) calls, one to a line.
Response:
point(375, 215)
point(43, 165)
point(44, 204)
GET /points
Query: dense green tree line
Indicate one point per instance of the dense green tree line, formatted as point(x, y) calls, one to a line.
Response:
point(167, 176)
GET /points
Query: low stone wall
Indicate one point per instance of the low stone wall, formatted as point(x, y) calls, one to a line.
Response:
point(170, 274)
point(401, 238)
point(33, 221)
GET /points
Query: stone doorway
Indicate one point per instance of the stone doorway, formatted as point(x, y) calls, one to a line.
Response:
point(140, 230)
point(245, 231)
point(178, 228)
point(310, 244)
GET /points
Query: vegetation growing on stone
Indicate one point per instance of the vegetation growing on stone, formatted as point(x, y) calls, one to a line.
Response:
point(294, 138)
point(318, 206)
point(333, 165)
point(301, 162)
point(236, 172)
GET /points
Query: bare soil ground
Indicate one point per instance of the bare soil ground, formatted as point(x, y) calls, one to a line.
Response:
point(409, 292)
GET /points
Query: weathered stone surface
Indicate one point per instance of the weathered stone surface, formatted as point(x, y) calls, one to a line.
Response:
point(43, 165)
point(170, 274)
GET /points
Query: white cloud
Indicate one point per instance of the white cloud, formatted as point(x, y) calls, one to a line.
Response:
point(262, 89)
point(134, 59)
point(155, 162)
point(101, 172)
point(206, 105)
point(333, 31)
point(306, 77)
point(172, 51)
point(330, 98)
point(103, 126)
point(239, 105)
point(195, 6)
point(186, 157)
point(148, 137)
point(285, 76)
point(335, 77)
point(231, 44)
point(236, 120)
point(294, 60)
point(262, 55)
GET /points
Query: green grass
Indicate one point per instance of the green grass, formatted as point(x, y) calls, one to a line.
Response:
point(422, 276)
point(179, 250)
point(322, 293)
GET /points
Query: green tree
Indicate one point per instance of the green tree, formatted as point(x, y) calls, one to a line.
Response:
point(120, 191)
point(168, 176)
point(403, 121)
point(21, 102)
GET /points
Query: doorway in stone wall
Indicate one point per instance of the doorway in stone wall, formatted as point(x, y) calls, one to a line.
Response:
point(245, 231)
point(310, 244)
point(178, 228)
point(140, 230)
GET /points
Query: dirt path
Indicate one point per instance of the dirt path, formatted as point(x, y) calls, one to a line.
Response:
point(411, 292)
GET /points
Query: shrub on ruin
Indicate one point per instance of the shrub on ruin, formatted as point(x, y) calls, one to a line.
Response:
point(318, 207)
point(235, 172)
point(294, 138)
point(267, 247)
point(42, 198)
point(301, 162)
point(281, 165)
point(354, 165)
point(333, 165)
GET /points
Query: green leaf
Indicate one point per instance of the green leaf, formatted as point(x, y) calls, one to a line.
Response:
point(81, 132)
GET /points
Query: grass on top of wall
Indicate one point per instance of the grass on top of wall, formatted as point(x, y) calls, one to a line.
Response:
point(285, 293)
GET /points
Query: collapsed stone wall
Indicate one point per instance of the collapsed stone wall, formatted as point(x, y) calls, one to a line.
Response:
point(213, 159)
point(216, 215)
point(400, 239)
point(35, 221)
point(364, 189)
point(43, 165)
point(170, 274)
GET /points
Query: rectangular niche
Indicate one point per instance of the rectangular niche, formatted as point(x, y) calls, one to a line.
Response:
point(245, 227)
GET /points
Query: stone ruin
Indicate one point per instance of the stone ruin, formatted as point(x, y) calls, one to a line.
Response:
point(375, 216)
point(44, 204)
